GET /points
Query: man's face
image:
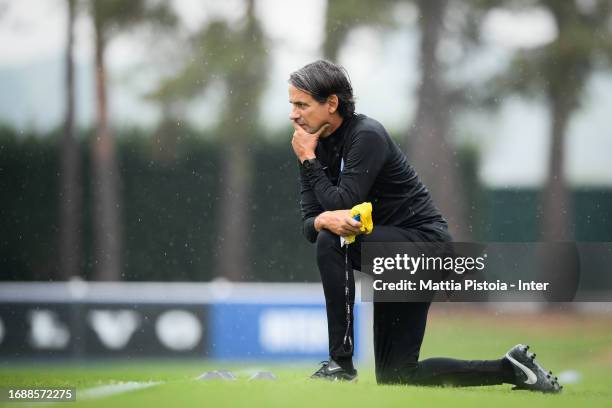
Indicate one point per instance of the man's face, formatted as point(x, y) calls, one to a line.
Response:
point(307, 111)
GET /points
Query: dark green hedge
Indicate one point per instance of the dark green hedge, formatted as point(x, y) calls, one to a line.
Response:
point(169, 212)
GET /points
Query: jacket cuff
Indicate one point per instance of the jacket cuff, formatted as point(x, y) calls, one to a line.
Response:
point(313, 168)
point(309, 230)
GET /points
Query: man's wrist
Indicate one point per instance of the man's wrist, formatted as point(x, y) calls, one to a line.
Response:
point(307, 157)
point(318, 222)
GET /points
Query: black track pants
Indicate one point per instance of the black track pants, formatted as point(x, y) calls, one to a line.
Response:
point(398, 327)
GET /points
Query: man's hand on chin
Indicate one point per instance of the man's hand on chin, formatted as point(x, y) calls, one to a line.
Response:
point(304, 143)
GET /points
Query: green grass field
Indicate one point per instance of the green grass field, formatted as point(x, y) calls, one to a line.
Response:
point(563, 342)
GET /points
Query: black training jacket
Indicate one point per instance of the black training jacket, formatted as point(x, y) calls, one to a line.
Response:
point(374, 169)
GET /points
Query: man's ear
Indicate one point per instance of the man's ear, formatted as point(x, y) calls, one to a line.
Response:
point(332, 101)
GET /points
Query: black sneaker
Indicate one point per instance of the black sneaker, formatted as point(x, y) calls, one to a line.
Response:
point(529, 374)
point(331, 371)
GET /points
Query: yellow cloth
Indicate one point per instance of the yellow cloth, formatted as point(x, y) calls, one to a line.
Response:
point(365, 213)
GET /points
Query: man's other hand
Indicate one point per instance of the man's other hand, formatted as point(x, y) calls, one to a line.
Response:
point(339, 222)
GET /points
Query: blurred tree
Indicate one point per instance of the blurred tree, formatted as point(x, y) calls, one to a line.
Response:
point(165, 136)
point(560, 71)
point(236, 57)
point(71, 192)
point(109, 17)
point(428, 141)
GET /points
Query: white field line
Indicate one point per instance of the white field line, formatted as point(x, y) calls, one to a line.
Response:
point(114, 389)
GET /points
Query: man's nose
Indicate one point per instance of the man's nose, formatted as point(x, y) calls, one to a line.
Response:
point(293, 115)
